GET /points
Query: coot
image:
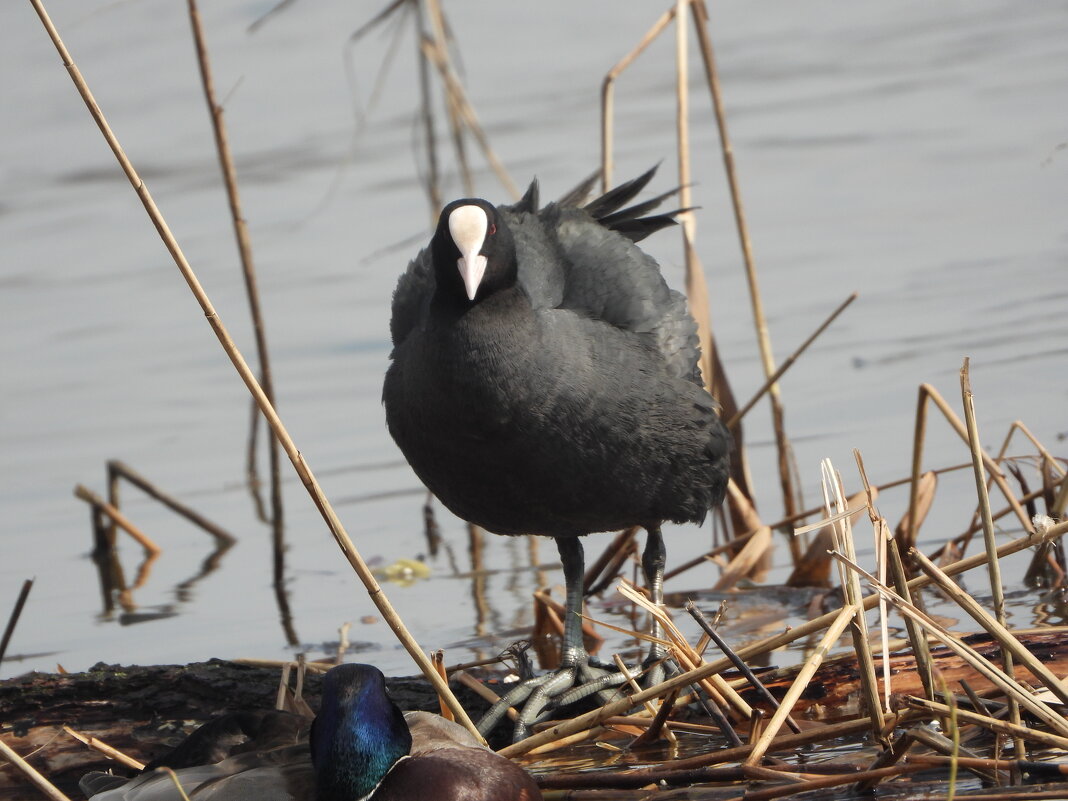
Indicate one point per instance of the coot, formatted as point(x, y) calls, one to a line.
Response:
point(361, 747)
point(544, 380)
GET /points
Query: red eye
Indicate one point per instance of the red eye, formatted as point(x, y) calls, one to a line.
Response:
point(492, 229)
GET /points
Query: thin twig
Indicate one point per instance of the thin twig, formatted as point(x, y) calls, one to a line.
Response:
point(174, 779)
point(738, 662)
point(993, 565)
point(426, 112)
point(39, 781)
point(834, 499)
point(105, 749)
point(793, 357)
point(16, 612)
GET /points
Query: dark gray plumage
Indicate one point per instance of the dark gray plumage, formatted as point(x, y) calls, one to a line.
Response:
point(565, 403)
point(558, 392)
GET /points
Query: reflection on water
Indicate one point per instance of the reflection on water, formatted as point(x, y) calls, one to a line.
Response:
point(912, 155)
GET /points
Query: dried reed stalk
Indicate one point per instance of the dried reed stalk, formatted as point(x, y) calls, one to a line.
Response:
point(1006, 682)
point(438, 658)
point(1061, 502)
point(925, 495)
point(117, 469)
point(696, 284)
point(814, 568)
point(440, 39)
point(338, 531)
point(993, 565)
point(882, 537)
point(994, 627)
point(105, 749)
point(929, 393)
point(827, 642)
point(743, 564)
point(1014, 427)
point(248, 269)
point(439, 57)
point(830, 781)
point(789, 741)
point(39, 781)
point(90, 497)
point(835, 501)
point(687, 657)
point(656, 714)
point(767, 356)
point(602, 571)
point(954, 753)
point(917, 638)
point(608, 93)
point(993, 724)
point(426, 110)
point(893, 753)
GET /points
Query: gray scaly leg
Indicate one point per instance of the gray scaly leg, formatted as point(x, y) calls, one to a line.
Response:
point(653, 567)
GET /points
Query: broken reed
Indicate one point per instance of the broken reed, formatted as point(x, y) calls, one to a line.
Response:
point(590, 719)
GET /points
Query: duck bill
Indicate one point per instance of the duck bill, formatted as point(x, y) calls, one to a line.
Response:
point(472, 268)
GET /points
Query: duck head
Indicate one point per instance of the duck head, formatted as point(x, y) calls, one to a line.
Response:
point(473, 251)
point(358, 735)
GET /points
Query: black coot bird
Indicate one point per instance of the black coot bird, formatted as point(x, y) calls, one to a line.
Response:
point(544, 380)
point(362, 748)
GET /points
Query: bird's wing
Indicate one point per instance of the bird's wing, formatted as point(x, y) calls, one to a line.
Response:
point(431, 732)
point(610, 279)
point(412, 296)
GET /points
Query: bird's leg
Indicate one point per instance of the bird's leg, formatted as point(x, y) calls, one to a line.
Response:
point(573, 649)
point(541, 690)
point(653, 567)
point(573, 656)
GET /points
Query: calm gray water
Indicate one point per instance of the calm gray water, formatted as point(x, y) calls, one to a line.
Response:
point(914, 152)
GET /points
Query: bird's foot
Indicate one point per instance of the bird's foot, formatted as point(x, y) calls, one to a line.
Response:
point(541, 694)
point(655, 668)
